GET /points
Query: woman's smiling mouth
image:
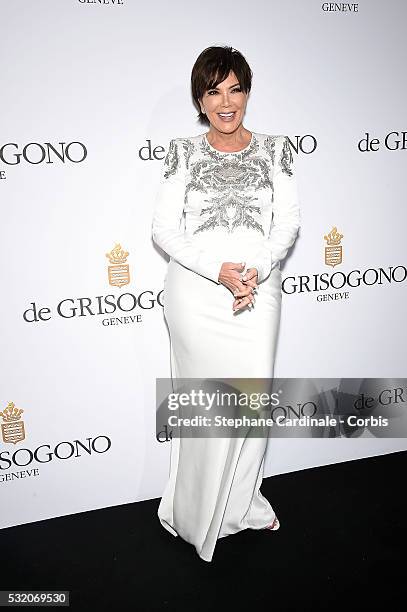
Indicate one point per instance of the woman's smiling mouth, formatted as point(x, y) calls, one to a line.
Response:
point(227, 116)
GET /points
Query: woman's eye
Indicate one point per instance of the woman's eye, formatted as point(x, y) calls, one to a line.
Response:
point(213, 91)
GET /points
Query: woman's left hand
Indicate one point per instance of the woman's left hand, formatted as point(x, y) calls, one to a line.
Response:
point(241, 299)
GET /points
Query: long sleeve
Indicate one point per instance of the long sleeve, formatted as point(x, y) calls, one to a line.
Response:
point(286, 213)
point(168, 214)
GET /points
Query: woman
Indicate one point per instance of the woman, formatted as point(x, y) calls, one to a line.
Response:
point(222, 294)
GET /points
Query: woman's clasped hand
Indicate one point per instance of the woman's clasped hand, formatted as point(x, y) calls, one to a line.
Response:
point(243, 286)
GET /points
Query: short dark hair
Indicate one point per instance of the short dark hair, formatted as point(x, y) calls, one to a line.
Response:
point(213, 66)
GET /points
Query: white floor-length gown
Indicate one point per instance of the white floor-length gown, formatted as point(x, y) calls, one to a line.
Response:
point(214, 207)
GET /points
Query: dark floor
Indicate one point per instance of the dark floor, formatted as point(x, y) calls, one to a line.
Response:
point(341, 543)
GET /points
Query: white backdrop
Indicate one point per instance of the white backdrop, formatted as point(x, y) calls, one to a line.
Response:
point(106, 84)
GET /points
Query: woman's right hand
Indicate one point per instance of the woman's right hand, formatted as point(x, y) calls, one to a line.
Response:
point(230, 276)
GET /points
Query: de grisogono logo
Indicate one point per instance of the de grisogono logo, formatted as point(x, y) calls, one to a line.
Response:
point(337, 285)
point(13, 431)
point(34, 153)
point(125, 309)
point(333, 250)
point(119, 271)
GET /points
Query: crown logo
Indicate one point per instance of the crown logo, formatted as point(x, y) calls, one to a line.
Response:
point(119, 272)
point(117, 255)
point(13, 428)
point(11, 413)
point(334, 237)
point(333, 250)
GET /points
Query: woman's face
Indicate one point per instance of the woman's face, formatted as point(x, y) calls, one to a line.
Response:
point(225, 105)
